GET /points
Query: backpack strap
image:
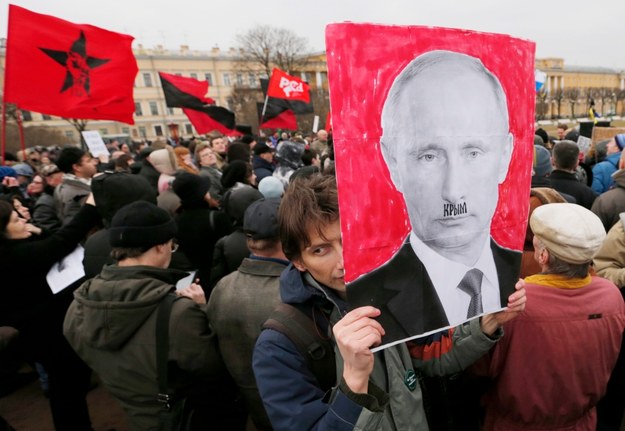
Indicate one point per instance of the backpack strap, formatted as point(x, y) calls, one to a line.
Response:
point(304, 333)
point(162, 350)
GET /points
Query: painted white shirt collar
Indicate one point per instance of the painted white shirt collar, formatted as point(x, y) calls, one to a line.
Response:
point(446, 275)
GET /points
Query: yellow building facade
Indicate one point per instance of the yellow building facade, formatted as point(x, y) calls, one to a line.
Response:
point(568, 90)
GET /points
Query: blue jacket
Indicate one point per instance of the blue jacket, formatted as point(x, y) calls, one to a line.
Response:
point(294, 401)
point(262, 168)
point(602, 173)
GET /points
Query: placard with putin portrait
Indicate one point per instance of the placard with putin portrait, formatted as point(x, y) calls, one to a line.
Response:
point(433, 138)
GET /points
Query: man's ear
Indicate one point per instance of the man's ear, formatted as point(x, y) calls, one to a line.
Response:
point(297, 263)
point(506, 156)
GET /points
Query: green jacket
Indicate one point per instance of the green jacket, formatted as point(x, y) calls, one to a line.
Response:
point(238, 306)
point(111, 324)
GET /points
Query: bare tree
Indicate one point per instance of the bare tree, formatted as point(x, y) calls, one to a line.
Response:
point(266, 47)
point(244, 101)
point(620, 96)
point(604, 95)
point(572, 96)
point(80, 125)
point(541, 104)
point(558, 97)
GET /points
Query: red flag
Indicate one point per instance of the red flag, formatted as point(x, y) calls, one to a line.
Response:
point(285, 120)
point(184, 92)
point(218, 119)
point(284, 86)
point(71, 70)
point(329, 121)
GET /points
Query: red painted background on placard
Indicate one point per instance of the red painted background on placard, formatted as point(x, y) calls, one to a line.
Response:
point(363, 61)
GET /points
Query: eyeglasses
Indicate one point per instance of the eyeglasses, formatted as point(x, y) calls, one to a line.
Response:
point(174, 246)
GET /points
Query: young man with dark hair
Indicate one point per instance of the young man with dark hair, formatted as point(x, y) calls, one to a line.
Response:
point(112, 322)
point(565, 158)
point(78, 167)
point(370, 391)
point(561, 131)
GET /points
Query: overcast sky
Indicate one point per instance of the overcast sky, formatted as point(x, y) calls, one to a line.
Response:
point(584, 33)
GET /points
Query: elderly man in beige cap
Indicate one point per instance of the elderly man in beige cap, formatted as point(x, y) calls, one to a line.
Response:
point(553, 364)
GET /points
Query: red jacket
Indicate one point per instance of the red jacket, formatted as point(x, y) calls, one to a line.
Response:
point(552, 365)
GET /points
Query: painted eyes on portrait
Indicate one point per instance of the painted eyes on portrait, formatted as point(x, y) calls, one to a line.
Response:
point(433, 155)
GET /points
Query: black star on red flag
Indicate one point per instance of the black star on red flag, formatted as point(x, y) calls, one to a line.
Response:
point(78, 65)
point(57, 67)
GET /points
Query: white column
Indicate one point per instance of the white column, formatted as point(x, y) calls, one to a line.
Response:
point(548, 83)
point(562, 82)
point(318, 79)
point(622, 83)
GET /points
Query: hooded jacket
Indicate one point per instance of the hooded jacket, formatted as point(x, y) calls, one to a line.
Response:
point(111, 325)
point(292, 396)
point(602, 173)
point(610, 204)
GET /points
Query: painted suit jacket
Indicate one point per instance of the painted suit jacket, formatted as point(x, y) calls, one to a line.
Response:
point(405, 295)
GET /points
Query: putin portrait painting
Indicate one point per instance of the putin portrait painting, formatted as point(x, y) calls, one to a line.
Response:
point(446, 142)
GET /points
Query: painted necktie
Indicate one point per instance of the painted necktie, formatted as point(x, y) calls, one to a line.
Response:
point(471, 283)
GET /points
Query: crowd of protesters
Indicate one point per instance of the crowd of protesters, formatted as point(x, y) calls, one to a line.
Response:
point(209, 238)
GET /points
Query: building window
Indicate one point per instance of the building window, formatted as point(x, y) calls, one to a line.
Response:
point(135, 134)
point(230, 103)
point(142, 132)
point(126, 130)
point(170, 111)
point(27, 116)
point(153, 108)
point(240, 79)
point(252, 78)
point(188, 128)
point(209, 77)
point(45, 117)
point(178, 74)
point(69, 134)
point(104, 131)
point(226, 79)
point(158, 130)
point(138, 110)
point(193, 75)
point(147, 79)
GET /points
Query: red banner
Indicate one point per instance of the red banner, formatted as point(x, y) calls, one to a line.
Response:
point(285, 86)
point(71, 70)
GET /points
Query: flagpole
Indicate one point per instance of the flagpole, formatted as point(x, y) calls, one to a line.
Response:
point(262, 115)
point(20, 128)
point(4, 128)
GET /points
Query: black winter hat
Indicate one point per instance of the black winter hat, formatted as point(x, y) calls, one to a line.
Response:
point(113, 190)
point(235, 172)
point(236, 202)
point(262, 148)
point(141, 224)
point(261, 219)
point(191, 188)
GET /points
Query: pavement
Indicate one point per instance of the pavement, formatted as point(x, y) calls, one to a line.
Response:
point(27, 409)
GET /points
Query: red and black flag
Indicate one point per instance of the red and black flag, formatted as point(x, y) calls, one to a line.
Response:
point(190, 95)
point(297, 106)
point(181, 92)
point(71, 70)
point(276, 117)
point(285, 86)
